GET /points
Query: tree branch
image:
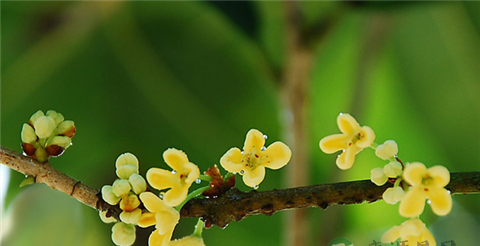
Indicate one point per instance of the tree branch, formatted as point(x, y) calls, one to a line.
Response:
point(234, 205)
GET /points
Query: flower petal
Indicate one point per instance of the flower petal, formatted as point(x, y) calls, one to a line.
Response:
point(175, 158)
point(193, 172)
point(176, 195)
point(126, 159)
point(191, 240)
point(276, 156)
point(347, 158)
point(254, 141)
point(157, 239)
point(441, 201)
point(166, 220)
point(391, 235)
point(367, 137)
point(147, 220)
point(161, 179)
point(413, 202)
point(440, 175)
point(333, 143)
point(414, 173)
point(232, 160)
point(347, 124)
point(254, 177)
point(152, 202)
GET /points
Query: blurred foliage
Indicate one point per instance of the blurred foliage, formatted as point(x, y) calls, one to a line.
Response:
point(146, 76)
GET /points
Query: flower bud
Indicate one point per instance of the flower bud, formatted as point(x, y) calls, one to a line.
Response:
point(61, 141)
point(378, 177)
point(126, 159)
point(35, 116)
point(105, 219)
point(41, 154)
point(66, 128)
point(57, 117)
point(387, 150)
point(28, 134)
point(393, 195)
point(44, 126)
point(125, 171)
point(109, 196)
point(138, 183)
point(121, 187)
point(123, 234)
point(129, 203)
point(131, 217)
point(393, 169)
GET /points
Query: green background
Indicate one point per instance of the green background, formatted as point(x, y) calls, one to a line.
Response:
point(145, 76)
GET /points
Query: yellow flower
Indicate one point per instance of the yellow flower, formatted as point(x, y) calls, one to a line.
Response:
point(179, 180)
point(165, 217)
point(412, 230)
point(426, 184)
point(188, 241)
point(251, 163)
point(387, 150)
point(393, 195)
point(352, 140)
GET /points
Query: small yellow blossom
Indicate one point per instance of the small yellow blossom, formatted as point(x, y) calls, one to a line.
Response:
point(123, 234)
point(109, 196)
point(393, 169)
point(129, 203)
point(179, 180)
point(387, 150)
point(105, 219)
point(251, 163)
point(393, 195)
point(131, 217)
point(352, 140)
point(426, 184)
point(44, 126)
point(121, 187)
point(412, 230)
point(166, 218)
point(191, 240)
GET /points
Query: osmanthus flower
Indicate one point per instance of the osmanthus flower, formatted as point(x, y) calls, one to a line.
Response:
point(123, 234)
point(426, 184)
point(177, 181)
point(47, 135)
point(393, 195)
point(379, 176)
point(387, 150)
point(351, 141)
point(412, 230)
point(163, 216)
point(251, 163)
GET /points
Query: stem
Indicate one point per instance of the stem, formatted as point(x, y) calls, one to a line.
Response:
point(192, 195)
point(199, 228)
point(205, 178)
point(233, 205)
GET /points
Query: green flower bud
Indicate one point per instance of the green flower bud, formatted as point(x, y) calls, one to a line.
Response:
point(121, 187)
point(109, 196)
point(125, 171)
point(57, 117)
point(105, 219)
point(131, 217)
point(44, 126)
point(126, 159)
point(61, 141)
point(35, 116)
point(138, 183)
point(66, 128)
point(123, 234)
point(28, 134)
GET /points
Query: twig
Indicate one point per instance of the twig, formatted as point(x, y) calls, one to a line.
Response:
point(234, 205)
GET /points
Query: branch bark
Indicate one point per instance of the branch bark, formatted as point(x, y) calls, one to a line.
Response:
point(234, 205)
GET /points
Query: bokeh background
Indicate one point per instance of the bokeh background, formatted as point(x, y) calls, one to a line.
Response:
point(145, 76)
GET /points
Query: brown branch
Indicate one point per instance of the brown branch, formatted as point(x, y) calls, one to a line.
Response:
point(234, 205)
point(46, 174)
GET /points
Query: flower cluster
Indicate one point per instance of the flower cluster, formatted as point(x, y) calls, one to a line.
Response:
point(413, 184)
point(47, 135)
point(144, 208)
point(124, 192)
